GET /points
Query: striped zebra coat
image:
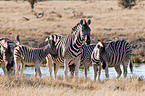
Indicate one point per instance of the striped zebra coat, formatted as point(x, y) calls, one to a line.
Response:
point(69, 47)
point(85, 58)
point(6, 53)
point(32, 56)
point(112, 55)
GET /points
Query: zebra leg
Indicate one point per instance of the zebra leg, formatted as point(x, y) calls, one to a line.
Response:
point(95, 71)
point(131, 65)
point(86, 67)
point(118, 70)
point(77, 62)
point(40, 74)
point(37, 69)
point(16, 66)
point(49, 64)
point(3, 67)
point(99, 73)
point(125, 65)
point(107, 72)
point(72, 69)
point(22, 68)
point(6, 71)
point(56, 67)
point(65, 68)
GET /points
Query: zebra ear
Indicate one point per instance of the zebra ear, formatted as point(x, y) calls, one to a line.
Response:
point(81, 21)
point(89, 22)
point(100, 40)
point(47, 39)
point(18, 40)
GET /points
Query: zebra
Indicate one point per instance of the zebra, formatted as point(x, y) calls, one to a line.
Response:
point(69, 47)
point(6, 53)
point(112, 55)
point(25, 54)
point(85, 56)
point(49, 62)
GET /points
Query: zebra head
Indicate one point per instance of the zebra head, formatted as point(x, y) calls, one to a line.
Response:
point(52, 48)
point(7, 53)
point(96, 54)
point(86, 30)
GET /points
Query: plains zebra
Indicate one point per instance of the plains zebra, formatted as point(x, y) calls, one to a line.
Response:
point(85, 58)
point(25, 54)
point(6, 53)
point(112, 55)
point(69, 47)
point(56, 37)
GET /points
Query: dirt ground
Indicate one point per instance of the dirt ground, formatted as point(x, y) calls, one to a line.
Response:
point(109, 21)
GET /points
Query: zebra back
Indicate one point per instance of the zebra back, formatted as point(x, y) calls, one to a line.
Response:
point(116, 52)
point(113, 52)
point(86, 52)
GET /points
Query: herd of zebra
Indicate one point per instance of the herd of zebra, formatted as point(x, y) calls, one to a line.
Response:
point(69, 51)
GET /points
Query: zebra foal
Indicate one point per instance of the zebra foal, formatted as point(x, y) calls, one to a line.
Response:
point(112, 55)
point(25, 54)
point(85, 58)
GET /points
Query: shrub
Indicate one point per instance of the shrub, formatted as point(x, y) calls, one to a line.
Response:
point(137, 60)
point(32, 2)
point(127, 3)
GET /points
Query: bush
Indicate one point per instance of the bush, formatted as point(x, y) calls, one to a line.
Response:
point(137, 60)
point(127, 3)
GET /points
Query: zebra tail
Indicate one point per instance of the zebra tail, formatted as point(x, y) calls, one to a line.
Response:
point(104, 65)
point(131, 66)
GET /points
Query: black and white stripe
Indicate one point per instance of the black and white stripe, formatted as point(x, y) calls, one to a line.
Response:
point(28, 55)
point(86, 56)
point(6, 53)
point(112, 55)
point(69, 47)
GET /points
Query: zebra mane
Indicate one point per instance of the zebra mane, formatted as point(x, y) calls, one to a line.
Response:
point(43, 44)
point(75, 27)
point(58, 34)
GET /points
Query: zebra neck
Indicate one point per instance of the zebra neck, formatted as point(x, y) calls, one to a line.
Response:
point(97, 53)
point(79, 39)
point(45, 51)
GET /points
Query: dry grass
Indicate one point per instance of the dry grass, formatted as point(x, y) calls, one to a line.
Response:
point(29, 86)
point(109, 19)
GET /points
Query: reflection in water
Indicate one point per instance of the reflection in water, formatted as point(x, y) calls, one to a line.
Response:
point(138, 70)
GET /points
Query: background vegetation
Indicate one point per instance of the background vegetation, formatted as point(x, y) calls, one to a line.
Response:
point(109, 22)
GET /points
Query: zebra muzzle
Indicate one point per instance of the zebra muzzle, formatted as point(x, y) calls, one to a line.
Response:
point(88, 41)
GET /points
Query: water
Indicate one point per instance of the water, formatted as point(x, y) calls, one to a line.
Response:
point(138, 70)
